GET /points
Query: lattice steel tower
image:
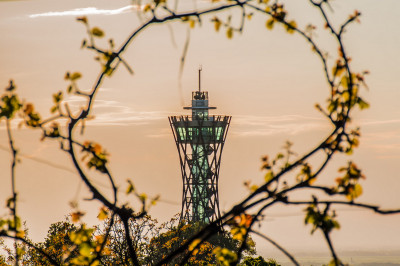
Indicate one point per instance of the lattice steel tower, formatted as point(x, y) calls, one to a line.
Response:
point(200, 139)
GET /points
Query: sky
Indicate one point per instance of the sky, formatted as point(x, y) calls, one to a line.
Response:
point(268, 81)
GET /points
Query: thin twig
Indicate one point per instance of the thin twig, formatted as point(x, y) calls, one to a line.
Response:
point(277, 246)
point(13, 206)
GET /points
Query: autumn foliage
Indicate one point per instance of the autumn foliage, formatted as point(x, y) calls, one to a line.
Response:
point(129, 237)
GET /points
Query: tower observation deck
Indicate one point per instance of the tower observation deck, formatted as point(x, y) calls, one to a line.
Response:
point(200, 139)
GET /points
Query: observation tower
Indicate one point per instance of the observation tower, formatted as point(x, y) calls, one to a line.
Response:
point(200, 139)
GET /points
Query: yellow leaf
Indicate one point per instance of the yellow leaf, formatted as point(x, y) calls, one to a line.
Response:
point(245, 220)
point(97, 32)
point(99, 239)
point(76, 216)
point(85, 249)
point(253, 188)
point(147, 8)
point(143, 197)
point(217, 24)
point(154, 200)
point(192, 23)
point(270, 24)
point(346, 96)
point(95, 263)
point(103, 214)
point(357, 191)
point(21, 234)
point(96, 148)
point(338, 69)
point(28, 109)
point(290, 28)
point(229, 33)
point(194, 244)
point(311, 180)
point(108, 70)
point(268, 176)
point(75, 76)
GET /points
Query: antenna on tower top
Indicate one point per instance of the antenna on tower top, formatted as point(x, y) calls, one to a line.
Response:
point(200, 69)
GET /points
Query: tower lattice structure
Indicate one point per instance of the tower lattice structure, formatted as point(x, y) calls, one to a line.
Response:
point(200, 140)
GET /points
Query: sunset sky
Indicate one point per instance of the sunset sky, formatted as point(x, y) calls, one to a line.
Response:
point(268, 81)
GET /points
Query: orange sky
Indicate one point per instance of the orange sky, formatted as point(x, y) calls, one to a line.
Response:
point(268, 81)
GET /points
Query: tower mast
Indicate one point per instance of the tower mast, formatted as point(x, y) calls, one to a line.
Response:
point(200, 68)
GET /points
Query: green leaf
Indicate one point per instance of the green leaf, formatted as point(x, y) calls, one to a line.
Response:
point(9, 105)
point(85, 249)
point(362, 104)
point(268, 176)
point(131, 187)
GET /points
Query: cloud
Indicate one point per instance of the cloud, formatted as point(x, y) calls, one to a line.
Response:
point(379, 122)
point(381, 136)
point(162, 133)
point(247, 125)
point(108, 112)
point(87, 11)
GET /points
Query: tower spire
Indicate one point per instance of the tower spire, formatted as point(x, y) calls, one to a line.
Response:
point(200, 69)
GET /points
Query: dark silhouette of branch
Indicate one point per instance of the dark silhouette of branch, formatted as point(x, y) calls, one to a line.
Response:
point(131, 249)
point(331, 248)
point(13, 205)
point(326, 233)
